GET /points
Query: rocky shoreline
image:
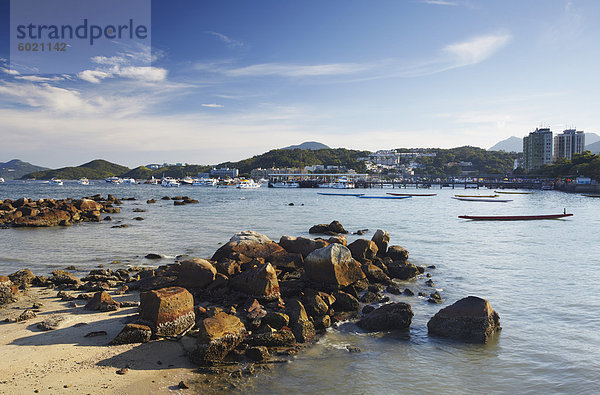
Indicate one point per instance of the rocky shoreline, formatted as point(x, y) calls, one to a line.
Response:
point(255, 302)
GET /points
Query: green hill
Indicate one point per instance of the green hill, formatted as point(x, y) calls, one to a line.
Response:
point(16, 168)
point(300, 158)
point(94, 170)
point(144, 173)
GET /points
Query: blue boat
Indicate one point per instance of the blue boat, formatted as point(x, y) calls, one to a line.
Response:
point(340, 194)
point(384, 197)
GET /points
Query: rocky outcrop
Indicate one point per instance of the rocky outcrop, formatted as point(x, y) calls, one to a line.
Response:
point(397, 253)
point(332, 266)
point(259, 282)
point(217, 336)
point(133, 333)
point(382, 239)
point(471, 319)
point(102, 301)
point(387, 317)
point(22, 278)
point(8, 291)
point(196, 273)
point(334, 228)
point(363, 249)
point(402, 270)
point(61, 277)
point(301, 245)
point(302, 328)
point(167, 311)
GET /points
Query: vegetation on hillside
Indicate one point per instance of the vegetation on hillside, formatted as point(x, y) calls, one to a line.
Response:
point(582, 165)
point(96, 169)
point(15, 169)
point(144, 173)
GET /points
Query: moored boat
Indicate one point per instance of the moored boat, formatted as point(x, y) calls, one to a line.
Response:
point(83, 181)
point(477, 196)
point(339, 194)
point(205, 182)
point(56, 181)
point(411, 194)
point(247, 184)
point(384, 197)
point(129, 181)
point(1, 180)
point(187, 181)
point(515, 192)
point(482, 200)
point(514, 217)
point(169, 182)
point(114, 180)
point(284, 184)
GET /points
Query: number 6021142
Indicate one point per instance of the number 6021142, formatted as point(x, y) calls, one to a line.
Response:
point(42, 47)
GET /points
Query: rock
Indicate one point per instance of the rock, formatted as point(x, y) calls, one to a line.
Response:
point(217, 336)
point(61, 277)
point(333, 228)
point(408, 292)
point(367, 309)
point(122, 371)
point(26, 315)
point(430, 283)
point(393, 289)
point(315, 306)
point(301, 326)
point(370, 297)
point(178, 203)
point(375, 274)
point(397, 253)
point(8, 291)
point(402, 270)
point(133, 333)
point(88, 205)
point(196, 273)
point(345, 302)
point(138, 218)
point(153, 256)
point(281, 338)
point(333, 266)
point(167, 311)
point(102, 301)
point(353, 349)
point(22, 278)
point(338, 239)
point(381, 238)
point(151, 201)
point(260, 282)
point(257, 353)
point(276, 320)
point(51, 323)
point(153, 283)
point(362, 249)
point(96, 333)
point(387, 317)
point(471, 319)
point(182, 385)
point(301, 245)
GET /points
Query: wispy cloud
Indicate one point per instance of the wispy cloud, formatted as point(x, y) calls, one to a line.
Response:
point(36, 78)
point(296, 70)
point(227, 40)
point(8, 71)
point(477, 49)
point(439, 2)
point(213, 105)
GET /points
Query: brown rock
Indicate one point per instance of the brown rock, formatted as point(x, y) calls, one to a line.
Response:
point(8, 291)
point(335, 227)
point(61, 277)
point(88, 205)
point(397, 253)
point(333, 266)
point(260, 282)
point(196, 273)
point(362, 249)
point(301, 245)
point(217, 336)
point(388, 317)
point(382, 239)
point(22, 278)
point(102, 301)
point(301, 326)
point(133, 333)
point(167, 311)
point(403, 270)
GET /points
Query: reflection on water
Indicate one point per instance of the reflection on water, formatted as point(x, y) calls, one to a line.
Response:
point(541, 277)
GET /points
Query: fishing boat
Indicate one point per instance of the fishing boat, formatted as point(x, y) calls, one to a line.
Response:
point(477, 196)
point(411, 194)
point(130, 181)
point(482, 200)
point(284, 184)
point(513, 217)
point(83, 181)
point(56, 181)
point(383, 197)
point(114, 180)
point(247, 184)
point(339, 194)
point(187, 181)
point(169, 182)
point(205, 182)
point(514, 192)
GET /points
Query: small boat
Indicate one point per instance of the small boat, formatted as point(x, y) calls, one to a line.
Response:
point(169, 182)
point(205, 182)
point(247, 184)
point(187, 181)
point(411, 194)
point(114, 180)
point(55, 181)
point(129, 181)
point(514, 192)
point(83, 181)
point(481, 200)
point(1, 180)
point(339, 194)
point(284, 184)
point(383, 197)
point(513, 217)
point(477, 196)
point(592, 196)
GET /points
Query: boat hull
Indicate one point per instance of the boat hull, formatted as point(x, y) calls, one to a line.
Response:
point(513, 217)
point(481, 200)
point(411, 194)
point(340, 194)
point(384, 197)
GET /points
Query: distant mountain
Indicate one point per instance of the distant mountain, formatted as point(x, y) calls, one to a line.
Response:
point(591, 138)
point(594, 147)
point(511, 144)
point(16, 169)
point(94, 170)
point(308, 145)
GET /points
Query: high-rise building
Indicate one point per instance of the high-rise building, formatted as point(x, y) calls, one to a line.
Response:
point(570, 142)
point(537, 149)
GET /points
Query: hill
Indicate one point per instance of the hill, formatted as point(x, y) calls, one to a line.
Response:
point(16, 169)
point(95, 170)
point(144, 173)
point(308, 145)
point(594, 148)
point(591, 138)
point(511, 144)
point(300, 158)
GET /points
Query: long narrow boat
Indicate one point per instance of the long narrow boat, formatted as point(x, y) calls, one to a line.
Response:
point(594, 196)
point(513, 217)
point(477, 196)
point(384, 197)
point(482, 200)
point(339, 194)
point(514, 192)
point(411, 194)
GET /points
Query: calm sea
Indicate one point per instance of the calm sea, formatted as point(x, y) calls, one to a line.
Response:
point(541, 277)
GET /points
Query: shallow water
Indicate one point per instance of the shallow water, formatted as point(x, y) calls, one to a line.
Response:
point(541, 277)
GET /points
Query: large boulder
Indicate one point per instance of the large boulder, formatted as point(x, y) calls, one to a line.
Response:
point(397, 253)
point(8, 291)
point(259, 282)
point(362, 249)
point(334, 228)
point(251, 244)
point(45, 218)
point(167, 311)
point(217, 336)
point(196, 273)
point(301, 245)
point(387, 317)
point(22, 278)
point(333, 266)
point(61, 277)
point(403, 270)
point(471, 319)
point(345, 302)
point(102, 301)
point(133, 333)
point(302, 328)
point(382, 239)
point(88, 205)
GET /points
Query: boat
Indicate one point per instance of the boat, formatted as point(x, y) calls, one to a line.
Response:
point(513, 217)
point(592, 196)
point(383, 197)
point(55, 181)
point(284, 184)
point(477, 196)
point(411, 194)
point(205, 182)
point(187, 181)
point(83, 181)
point(339, 194)
point(1, 180)
point(169, 182)
point(514, 192)
point(343, 183)
point(129, 181)
point(247, 184)
point(114, 180)
point(482, 200)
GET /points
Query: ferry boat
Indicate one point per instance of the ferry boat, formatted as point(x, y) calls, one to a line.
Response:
point(55, 181)
point(247, 184)
point(113, 180)
point(169, 182)
point(83, 181)
point(129, 181)
point(285, 184)
point(205, 182)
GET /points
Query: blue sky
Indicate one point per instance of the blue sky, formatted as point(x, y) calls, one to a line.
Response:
point(232, 79)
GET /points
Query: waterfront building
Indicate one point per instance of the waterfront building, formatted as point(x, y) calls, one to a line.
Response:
point(537, 149)
point(570, 142)
point(224, 172)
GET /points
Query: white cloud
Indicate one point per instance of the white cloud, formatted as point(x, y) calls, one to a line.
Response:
point(150, 74)
point(477, 49)
point(35, 78)
point(94, 76)
point(439, 2)
point(227, 40)
point(9, 71)
point(213, 105)
point(295, 70)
